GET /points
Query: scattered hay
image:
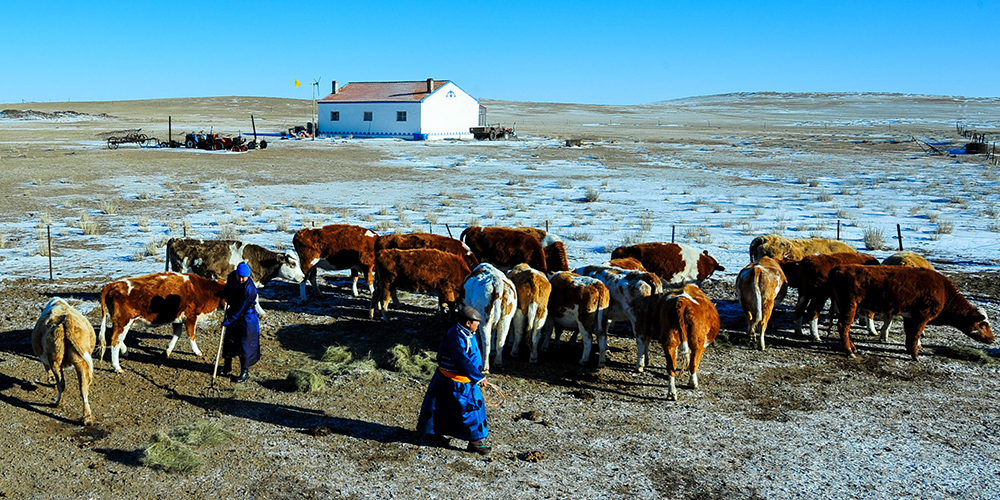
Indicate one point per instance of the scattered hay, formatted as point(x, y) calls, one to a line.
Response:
point(203, 433)
point(304, 381)
point(168, 455)
point(338, 355)
point(970, 354)
point(412, 362)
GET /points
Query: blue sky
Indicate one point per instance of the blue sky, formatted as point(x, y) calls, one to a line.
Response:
point(576, 52)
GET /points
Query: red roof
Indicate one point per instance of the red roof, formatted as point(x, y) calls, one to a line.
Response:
point(383, 92)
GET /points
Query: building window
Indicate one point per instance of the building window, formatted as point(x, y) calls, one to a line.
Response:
point(400, 116)
point(335, 116)
point(368, 116)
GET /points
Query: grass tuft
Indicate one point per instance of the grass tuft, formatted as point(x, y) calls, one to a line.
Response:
point(412, 362)
point(170, 456)
point(305, 381)
point(202, 433)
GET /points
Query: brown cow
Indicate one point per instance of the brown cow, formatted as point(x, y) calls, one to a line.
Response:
point(578, 303)
point(792, 249)
point(810, 275)
point(900, 258)
point(921, 296)
point(533, 291)
point(64, 337)
point(555, 250)
point(628, 263)
point(760, 286)
point(336, 247)
point(215, 259)
point(158, 299)
point(684, 322)
point(421, 270)
point(674, 263)
point(505, 247)
point(427, 240)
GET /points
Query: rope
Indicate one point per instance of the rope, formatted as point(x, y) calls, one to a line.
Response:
point(495, 397)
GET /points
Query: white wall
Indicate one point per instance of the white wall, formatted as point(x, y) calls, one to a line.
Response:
point(383, 122)
point(448, 113)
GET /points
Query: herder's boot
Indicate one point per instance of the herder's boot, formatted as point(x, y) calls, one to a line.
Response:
point(244, 376)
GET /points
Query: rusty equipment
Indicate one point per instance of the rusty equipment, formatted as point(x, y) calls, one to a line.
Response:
point(130, 136)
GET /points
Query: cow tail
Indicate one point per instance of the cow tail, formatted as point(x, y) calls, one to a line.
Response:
point(758, 297)
point(168, 250)
point(684, 350)
point(103, 341)
point(75, 342)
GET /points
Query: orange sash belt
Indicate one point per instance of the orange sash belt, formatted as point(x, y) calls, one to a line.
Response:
point(454, 376)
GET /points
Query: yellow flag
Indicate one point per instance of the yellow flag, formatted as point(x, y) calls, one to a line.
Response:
point(297, 82)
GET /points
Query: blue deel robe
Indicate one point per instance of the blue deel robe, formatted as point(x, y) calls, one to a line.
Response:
point(454, 408)
point(242, 337)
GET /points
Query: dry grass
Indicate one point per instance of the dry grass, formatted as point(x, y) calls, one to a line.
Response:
point(170, 456)
point(412, 361)
point(304, 381)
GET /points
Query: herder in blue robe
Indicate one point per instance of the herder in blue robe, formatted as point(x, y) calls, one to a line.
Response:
point(454, 403)
point(242, 335)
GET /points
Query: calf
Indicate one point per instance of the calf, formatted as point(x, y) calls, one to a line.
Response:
point(792, 249)
point(579, 303)
point(675, 264)
point(488, 291)
point(900, 258)
point(64, 337)
point(336, 246)
point(811, 274)
point(158, 299)
point(552, 246)
point(760, 286)
point(427, 240)
point(533, 291)
point(215, 259)
point(505, 247)
point(685, 323)
point(421, 270)
point(625, 287)
point(921, 296)
point(627, 263)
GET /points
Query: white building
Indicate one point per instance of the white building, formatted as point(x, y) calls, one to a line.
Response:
point(408, 110)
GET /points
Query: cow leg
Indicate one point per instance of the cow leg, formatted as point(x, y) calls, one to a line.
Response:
point(83, 373)
point(883, 335)
point(118, 344)
point(640, 353)
point(517, 327)
point(670, 352)
point(844, 321)
point(501, 338)
point(587, 341)
point(177, 327)
point(355, 275)
point(486, 343)
point(60, 384)
point(800, 310)
point(192, 335)
point(914, 328)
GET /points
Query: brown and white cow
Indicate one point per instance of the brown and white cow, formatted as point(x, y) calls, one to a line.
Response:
point(626, 288)
point(215, 259)
point(158, 299)
point(920, 296)
point(793, 249)
point(490, 292)
point(336, 247)
point(760, 286)
point(63, 337)
point(674, 263)
point(533, 291)
point(578, 303)
point(427, 240)
point(810, 276)
point(504, 247)
point(684, 322)
point(555, 250)
point(421, 270)
point(901, 258)
point(629, 263)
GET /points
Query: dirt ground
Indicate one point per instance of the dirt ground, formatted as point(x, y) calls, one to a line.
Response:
point(800, 420)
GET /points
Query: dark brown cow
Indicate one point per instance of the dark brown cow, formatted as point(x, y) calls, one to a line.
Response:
point(427, 240)
point(336, 247)
point(810, 277)
point(505, 247)
point(64, 337)
point(674, 263)
point(421, 270)
point(921, 296)
point(158, 299)
point(555, 250)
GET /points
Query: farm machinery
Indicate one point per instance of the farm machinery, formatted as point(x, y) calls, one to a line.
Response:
point(492, 132)
point(208, 142)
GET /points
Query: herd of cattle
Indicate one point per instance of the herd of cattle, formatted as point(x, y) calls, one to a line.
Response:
point(520, 282)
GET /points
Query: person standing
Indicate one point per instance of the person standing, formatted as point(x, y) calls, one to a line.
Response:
point(242, 334)
point(454, 405)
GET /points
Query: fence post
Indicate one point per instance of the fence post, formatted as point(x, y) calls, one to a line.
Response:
point(48, 233)
point(673, 228)
point(838, 229)
point(899, 235)
point(449, 230)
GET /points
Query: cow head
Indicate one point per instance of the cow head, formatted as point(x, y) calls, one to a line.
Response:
point(707, 265)
point(979, 327)
point(290, 269)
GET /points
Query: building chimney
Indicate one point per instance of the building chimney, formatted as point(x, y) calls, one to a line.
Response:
point(335, 86)
point(430, 85)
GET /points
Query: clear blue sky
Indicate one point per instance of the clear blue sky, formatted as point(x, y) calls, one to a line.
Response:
point(610, 52)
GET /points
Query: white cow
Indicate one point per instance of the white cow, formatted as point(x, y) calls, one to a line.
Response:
point(488, 291)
